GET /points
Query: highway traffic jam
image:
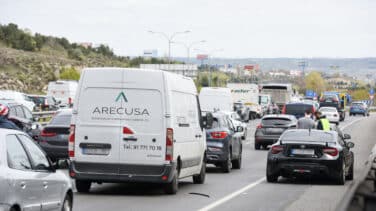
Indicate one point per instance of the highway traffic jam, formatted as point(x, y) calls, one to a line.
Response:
point(150, 133)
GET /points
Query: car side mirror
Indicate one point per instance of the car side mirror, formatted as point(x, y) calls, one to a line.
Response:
point(61, 164)
point(346, 136)
point(350, 144)
point(239, 129)
point(208, 120)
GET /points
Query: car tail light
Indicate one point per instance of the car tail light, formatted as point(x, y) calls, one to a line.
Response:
point(218, 135)
point(277, 149)
point(259, 126)
point(169, 144)
point(284, 109)
point(330, 151)
point(313, 109)
point(71, 140)
point(44, 133)
point(335, 100)
point(127, 131)
point(70, 101)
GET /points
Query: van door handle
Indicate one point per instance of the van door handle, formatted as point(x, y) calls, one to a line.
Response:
point(130, 139)
point(198, 136)
point(23, 185)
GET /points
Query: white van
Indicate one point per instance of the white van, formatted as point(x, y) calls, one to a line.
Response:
point(215, 99)
point(63, 91)
point(136, 125)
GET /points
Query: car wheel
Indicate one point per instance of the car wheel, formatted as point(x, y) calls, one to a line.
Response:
point(172, 187)
point(227, 165)
point(237, 164)
point(364, 114)
point(83, 186)
point(350, 174)
point(200, 178)
point(341, 177)
point(273, 178)
point(67, 204)
point(257, 146)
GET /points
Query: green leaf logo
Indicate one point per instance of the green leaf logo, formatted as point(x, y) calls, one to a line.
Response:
point(121, 96)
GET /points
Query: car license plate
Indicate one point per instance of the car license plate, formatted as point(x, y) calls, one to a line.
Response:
point(95, 151)
point(274, 130)
point(303, 151)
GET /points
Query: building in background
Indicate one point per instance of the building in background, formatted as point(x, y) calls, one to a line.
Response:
point(189, 70)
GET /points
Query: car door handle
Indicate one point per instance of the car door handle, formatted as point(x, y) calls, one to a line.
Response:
point(130, 139)
point(45, 185)
point(23, 185)
point(198, 136)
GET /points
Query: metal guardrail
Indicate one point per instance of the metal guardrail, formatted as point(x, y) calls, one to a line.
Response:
point(43, 116)
point(365, 175)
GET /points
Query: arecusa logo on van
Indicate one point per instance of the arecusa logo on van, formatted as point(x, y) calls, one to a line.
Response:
point(119, 112)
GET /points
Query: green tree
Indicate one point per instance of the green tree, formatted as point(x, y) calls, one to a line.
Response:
point(69, 74)
point(314, 81)
point(360, 94)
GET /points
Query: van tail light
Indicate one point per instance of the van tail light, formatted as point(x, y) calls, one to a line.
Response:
point(71, 140)
point(218, 135)
point(330, 151)
point(259, 126)
point(313, 109)
point(70, 101)
point(284, 109)
point(127, 131)
point(169, 144)
point(276, 149)
point(44, 133)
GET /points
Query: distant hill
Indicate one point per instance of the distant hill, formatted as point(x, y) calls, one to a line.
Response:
point(29, 61)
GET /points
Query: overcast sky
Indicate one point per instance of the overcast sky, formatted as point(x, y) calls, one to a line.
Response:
point(242, 28)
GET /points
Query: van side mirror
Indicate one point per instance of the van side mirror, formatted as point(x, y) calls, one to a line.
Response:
point(61, 164)
point(346, 136)
point(208, 120)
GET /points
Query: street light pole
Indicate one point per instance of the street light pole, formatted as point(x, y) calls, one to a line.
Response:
point(210, 72)
point(169, 39)
point(189, 46)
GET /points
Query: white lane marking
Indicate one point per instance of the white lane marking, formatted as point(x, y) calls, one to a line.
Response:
point(232, 195)
point(349, 124)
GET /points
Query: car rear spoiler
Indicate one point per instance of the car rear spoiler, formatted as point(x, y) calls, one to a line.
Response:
point(308, 142)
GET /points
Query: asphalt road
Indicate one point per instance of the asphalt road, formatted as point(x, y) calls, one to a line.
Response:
point(244, 189)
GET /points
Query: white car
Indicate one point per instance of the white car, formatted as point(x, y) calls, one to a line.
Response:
point(236, 120)
point(18, 97)
point(28, 180)
point(331, 114)
point(136, 125)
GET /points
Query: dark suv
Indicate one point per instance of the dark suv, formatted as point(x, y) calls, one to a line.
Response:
point(224, 144)
point(298, 109)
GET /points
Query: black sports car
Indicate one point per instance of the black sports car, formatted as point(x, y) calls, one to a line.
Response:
point(311, 153)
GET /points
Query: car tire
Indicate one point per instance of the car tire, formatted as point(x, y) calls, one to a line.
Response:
point(364, 114)
point(237, 164)
point(67, 204)
point(200, 178)
point(83, 186)
point(227, 164)
point(341, 177)
point(350, 174)
point(272, 178)
point(257, 146)
point(173, 186)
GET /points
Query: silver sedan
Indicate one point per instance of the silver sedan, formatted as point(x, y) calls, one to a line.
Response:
point(28, 180)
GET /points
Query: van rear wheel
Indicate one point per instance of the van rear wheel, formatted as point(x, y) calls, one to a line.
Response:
point(172, 187)
point(83, 186)
point(200, 178)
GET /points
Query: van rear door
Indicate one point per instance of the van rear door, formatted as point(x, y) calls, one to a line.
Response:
point(143, 140)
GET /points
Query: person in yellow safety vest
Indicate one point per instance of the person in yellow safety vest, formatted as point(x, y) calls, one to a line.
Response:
point(322, 122)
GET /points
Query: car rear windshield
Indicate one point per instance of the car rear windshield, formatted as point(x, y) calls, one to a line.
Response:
point(357, 104)
point(217, 123)
point(306, 135)
point(328, 109)
point(297, 108)
point(61, 120)
point(276, 121)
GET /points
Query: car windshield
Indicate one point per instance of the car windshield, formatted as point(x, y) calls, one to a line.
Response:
point(61, 120)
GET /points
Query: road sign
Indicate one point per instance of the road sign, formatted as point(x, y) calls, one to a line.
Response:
point(202, 56)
